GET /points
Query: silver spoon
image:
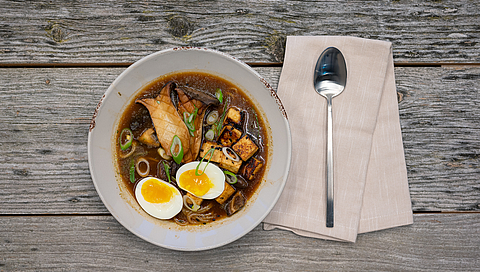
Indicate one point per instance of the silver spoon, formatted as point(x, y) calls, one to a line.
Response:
point(329, 81)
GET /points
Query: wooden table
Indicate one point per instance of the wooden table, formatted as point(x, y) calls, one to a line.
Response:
point(57, 60)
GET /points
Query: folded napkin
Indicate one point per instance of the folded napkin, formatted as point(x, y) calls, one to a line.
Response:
point(370, 179)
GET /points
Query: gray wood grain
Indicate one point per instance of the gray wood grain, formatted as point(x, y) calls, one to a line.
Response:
point(440, 118)
point(45, 115)
point(437, 242)
point(254, 31)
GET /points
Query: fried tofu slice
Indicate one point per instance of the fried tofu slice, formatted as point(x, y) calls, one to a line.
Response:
point(227, 192)
point(229, 135)
point(251, 168)
point(245, 147)
point(216, 157)
point(219, 157)
point(233, 115)
point(230, 165)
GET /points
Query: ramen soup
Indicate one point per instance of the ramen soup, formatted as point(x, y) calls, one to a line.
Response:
point(191, 148)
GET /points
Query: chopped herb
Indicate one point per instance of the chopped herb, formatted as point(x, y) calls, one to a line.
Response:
point(211, 150)
point(132, 171)
point(219, 95)
point(167, 171)
point(233, 178)
point(126, 139)
point(176, 149)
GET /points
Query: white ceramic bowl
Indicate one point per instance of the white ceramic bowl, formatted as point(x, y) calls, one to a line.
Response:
point(124, 207)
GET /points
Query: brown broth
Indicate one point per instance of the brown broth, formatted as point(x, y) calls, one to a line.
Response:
point(137, 118)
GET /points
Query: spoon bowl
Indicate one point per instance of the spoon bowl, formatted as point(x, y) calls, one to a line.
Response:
point(330, 73)
point(329, 81)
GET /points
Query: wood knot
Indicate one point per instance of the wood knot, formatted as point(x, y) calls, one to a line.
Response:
point(275, 44)
point(56, 32)
point(180, 26)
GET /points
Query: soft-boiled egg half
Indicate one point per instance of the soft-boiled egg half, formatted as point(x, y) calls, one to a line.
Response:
point(208, 185)
point(158, 198)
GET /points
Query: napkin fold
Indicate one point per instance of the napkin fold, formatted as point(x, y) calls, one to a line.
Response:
point(371, 187)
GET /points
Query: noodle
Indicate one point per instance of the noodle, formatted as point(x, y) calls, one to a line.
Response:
point(199, 217)
point(180, 221)
point(195, 218)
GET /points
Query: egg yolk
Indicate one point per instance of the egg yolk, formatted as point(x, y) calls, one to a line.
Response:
point(154, 191)
point(197, 185)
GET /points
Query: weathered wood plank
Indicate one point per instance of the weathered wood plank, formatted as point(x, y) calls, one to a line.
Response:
point(45, 115)
point(438, 242)
point(125, 31)
point(440, 118)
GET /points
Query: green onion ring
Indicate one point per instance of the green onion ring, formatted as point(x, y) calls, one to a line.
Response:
point(212, 117)
point(230, 174)
point(128, 136)
point(191, 118)
point(187, 120)
point(176, 149)
point(194, 207)
point(210, 134)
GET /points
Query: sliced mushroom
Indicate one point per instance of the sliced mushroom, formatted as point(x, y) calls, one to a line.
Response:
point(237, 202)
point(241, 183)
point(149, 138)
point(205, 97)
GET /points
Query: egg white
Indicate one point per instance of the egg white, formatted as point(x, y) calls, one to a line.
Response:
point(160, 210)
point(214, 173)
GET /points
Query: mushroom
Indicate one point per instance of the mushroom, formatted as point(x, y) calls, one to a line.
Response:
point(149, 138)
point(237, 202)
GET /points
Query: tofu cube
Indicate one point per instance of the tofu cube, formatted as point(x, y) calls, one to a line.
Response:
point(245, 147)
point(233, 115)
point(216, 157)
point(228, 164)
point(229, 135)
point(219, 157)
point(251, 168)
point(227, 192)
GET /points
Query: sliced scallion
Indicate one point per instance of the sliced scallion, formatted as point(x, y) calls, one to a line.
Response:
point(125, 139)
point(219, 123)
point(167, 171)
point(232, 179)
point(194, 206)
point(228, 151)
point(142, 171)
point(212, 117)
point(211, 150)
point(210, 134)
point(219, 95)
point(176, 149)
point(132, 171)
point(163, 154)
point(189, 120)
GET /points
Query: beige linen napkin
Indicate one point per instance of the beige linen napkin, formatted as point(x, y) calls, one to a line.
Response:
point(371, 188)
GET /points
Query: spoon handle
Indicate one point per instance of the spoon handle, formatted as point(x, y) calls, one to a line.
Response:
point(329, 163)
